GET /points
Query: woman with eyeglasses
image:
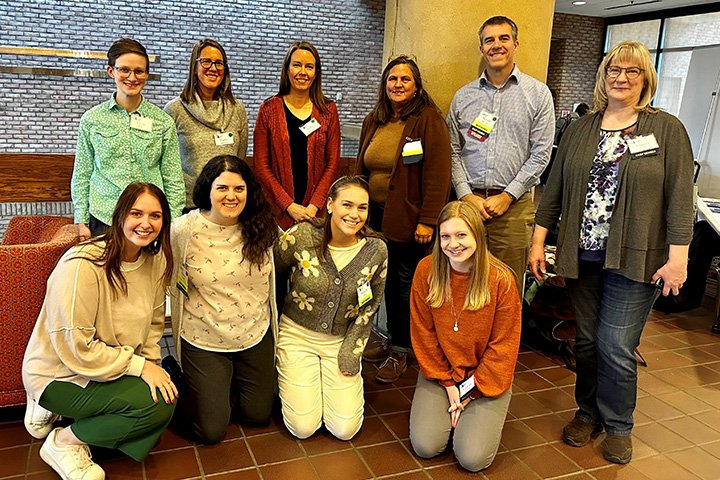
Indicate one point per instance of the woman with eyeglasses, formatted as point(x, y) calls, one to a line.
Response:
point(297, 139)
point(210, 121)
point(405, 152)
point(621, 190)
point(124, 139)
point(338, 268)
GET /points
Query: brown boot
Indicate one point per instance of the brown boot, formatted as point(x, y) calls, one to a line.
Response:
point(391, 370)
point(578, 432)
point(378, 351)
point(617, 448)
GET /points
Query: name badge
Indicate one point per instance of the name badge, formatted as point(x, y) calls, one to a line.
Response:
point(483, 125)
point(642, 145)
point(412, 151)
point(466, 387)
point(138, 122)
point(364, 293)
point(224, 138)
point(182, 281)
point(310, 127)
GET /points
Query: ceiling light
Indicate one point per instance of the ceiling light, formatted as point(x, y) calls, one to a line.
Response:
point(578, 3)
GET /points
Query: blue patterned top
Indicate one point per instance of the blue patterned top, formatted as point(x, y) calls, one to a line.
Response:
point(602, 187)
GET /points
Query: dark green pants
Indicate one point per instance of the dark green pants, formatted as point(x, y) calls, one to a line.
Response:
point(118, 414)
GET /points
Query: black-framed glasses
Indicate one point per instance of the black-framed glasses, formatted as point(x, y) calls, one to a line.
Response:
point(207, 64)
point(125, 72)
point(630, 72)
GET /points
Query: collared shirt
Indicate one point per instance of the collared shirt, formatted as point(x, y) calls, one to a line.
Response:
point(110, 155)
point(517, 150)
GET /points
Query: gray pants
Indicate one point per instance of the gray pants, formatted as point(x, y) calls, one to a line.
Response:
point(212, 377)
point(477, 434)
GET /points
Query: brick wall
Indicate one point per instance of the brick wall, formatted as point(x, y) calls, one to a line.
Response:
point(40, 114)
point(575, 53)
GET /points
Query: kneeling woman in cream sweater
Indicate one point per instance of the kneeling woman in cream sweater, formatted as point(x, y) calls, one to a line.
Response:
point(465, 328)
point(92, 355)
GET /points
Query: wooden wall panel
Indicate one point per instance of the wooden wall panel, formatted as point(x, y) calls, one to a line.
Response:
point(30, 177)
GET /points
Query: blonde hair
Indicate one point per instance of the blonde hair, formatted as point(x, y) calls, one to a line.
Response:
point(632, 53)
point(478, 292)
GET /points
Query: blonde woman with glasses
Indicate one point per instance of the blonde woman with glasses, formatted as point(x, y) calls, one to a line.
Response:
point(621, 191)
point(210, 121)
point(123, 140)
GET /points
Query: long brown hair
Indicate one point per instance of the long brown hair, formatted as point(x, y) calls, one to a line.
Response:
point(316, 95)
point(110, 259)
point(478, 292)
point(383, 110)
point(339, 185)
point(224, 90)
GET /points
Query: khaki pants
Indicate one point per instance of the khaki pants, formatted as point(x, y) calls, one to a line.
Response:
point(477, 435)
point(312, 388)
point(509, 236)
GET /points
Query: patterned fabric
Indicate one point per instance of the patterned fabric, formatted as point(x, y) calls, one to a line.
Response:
point(602, 187)
point(325, 300)
point(28, 253)
point(110, 155)
point(227, 308)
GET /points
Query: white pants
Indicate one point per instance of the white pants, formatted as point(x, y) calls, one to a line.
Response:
point(312, 388)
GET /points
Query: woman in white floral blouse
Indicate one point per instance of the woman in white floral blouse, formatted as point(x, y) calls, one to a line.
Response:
point(336, 284)
point(223, 307)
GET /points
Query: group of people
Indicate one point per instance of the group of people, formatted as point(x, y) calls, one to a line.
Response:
point(259, 310)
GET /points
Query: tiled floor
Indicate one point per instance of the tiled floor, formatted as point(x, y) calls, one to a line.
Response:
point(677, 434)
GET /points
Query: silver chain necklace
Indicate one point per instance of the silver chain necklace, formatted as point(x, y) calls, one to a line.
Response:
point(455, 316)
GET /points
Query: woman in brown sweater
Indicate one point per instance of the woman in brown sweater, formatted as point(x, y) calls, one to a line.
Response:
point(405, 152)
point(465, 327)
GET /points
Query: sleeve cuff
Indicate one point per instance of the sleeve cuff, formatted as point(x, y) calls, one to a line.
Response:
point(136, 365)
point(516, 190)
point(462, 190)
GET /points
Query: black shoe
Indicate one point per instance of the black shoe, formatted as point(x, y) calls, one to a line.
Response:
point(173, 368)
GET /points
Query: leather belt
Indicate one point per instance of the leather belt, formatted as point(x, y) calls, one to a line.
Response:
point(488, 192)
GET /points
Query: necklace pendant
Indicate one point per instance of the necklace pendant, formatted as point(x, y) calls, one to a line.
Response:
point(455, 327)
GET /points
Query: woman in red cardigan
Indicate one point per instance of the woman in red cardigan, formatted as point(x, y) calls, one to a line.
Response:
point(297, 139)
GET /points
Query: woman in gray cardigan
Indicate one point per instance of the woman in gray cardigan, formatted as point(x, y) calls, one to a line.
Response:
point(336, 284)
point(210, 120)
point(621, 188)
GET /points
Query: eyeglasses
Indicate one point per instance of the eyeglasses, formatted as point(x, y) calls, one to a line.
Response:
point(207, 64)
point(630, 72)
point(125, 72)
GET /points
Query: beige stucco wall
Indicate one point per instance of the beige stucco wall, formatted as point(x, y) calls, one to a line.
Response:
point(442, 34)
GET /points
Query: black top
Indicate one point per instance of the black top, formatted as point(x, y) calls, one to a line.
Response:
point(298, 154)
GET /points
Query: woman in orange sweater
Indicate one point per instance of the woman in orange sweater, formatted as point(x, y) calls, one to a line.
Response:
point(465, 329)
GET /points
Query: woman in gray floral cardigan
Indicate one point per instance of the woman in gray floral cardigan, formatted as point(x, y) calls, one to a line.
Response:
point(336, 284)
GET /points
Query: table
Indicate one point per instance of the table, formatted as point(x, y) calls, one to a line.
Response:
point(708, 209)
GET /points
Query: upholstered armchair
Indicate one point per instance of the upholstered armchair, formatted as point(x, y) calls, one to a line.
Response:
point(28, 253)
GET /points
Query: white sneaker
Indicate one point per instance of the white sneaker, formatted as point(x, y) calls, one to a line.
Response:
point(38, 421)
point(71, 462)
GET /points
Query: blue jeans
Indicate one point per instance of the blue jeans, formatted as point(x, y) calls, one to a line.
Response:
point(611, 311)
